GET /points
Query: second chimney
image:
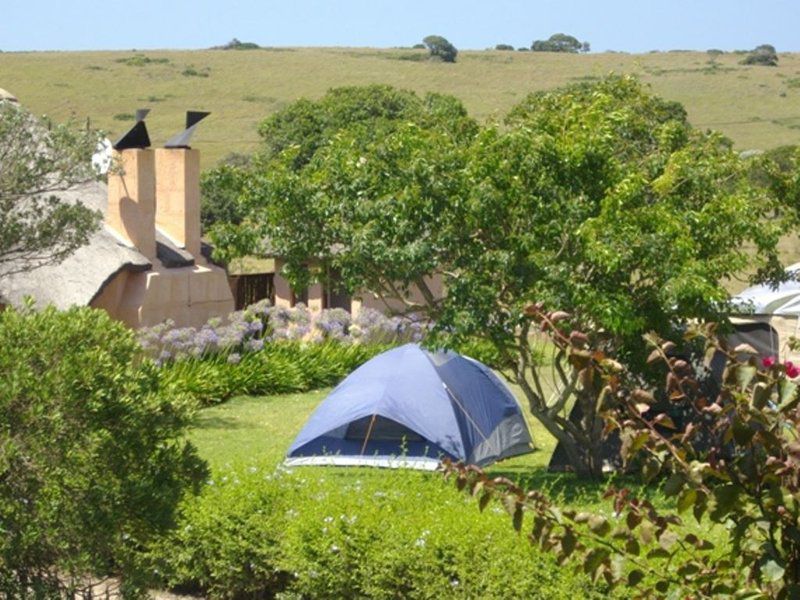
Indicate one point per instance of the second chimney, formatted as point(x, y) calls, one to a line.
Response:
point(178, 196)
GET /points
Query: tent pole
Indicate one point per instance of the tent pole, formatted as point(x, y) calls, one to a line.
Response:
point(369, 432)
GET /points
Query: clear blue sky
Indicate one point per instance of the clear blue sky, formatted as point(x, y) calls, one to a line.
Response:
point(625, 25)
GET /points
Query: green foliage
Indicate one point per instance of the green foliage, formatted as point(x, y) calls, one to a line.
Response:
point(280, 367)
point(141, 60)
point(507, 47)
point(220, 189)
point(235, 44)
point(763, 55)
point(597, 198)
point(36, 227)
point(305, 126)
point(191, 71)
point(316, 534)
point(93, 460)
point(560, 42)
point(735, 467)
point(440, 49)
point(345, 121)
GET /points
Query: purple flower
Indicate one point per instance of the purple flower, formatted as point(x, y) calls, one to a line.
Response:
point(234, 358)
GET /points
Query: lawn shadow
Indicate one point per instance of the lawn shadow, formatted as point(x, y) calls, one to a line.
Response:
point(218, 422)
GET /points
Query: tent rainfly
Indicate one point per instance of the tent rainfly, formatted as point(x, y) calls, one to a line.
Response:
point(409, 407)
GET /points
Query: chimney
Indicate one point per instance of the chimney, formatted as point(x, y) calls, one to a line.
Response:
point(178, 192)
point(178, 188)
point(132, 189)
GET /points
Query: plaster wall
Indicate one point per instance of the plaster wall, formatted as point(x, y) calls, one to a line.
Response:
point(189, 296)
point(284, 297)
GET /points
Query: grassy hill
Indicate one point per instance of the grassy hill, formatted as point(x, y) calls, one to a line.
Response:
point(758, 107)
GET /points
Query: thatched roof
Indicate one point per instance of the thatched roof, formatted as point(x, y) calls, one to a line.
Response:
point(79, 278)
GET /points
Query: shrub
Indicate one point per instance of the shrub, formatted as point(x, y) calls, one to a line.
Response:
point(560, 42)
point(93, 459)
point(764, 55)
point(140, 60)
point(507, 47)
point(235, 44)
point(440, 49)
point(311, 534)
point(191, 71)
point(281, 367)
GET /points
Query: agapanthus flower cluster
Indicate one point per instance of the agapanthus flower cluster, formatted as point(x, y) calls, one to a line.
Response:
point(373, 327)
point(247, 331)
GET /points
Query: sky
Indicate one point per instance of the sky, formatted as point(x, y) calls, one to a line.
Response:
point(621, 25)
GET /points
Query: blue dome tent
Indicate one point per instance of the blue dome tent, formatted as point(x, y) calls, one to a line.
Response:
point(410, 407)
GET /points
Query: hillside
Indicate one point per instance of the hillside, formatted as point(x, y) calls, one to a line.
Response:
point(758, 107)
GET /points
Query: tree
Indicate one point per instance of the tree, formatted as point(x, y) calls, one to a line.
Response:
point(94, 458)
point(507, 47)
point(560, 42)
point(296, 135)
point(220, 189)
point(598, 199)
point(764, 55)
point(440, 48)
point(36, 227)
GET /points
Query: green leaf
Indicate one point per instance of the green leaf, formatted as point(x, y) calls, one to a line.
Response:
point(772, 571)
point(686, 499)
point(700, 506)
point(484, 500)
point(518, 515)
point(568, 542)
point(674, 484)
point(787, 392)
point(635, 577)
point(632, 547)
point(745, 374)
point(761, 394)
point(658, 553)
point(594, 559)
point(742, 432)
point(726, 496)
point(599, 525)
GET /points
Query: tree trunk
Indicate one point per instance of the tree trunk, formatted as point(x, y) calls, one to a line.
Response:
point(582, 459)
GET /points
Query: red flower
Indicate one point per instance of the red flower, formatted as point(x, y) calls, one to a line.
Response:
point(768, 361)
point(791, 370)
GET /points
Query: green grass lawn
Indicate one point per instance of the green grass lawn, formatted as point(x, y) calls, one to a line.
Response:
point(258, 430)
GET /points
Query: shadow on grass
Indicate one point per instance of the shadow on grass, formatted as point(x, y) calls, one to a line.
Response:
point(567, 487)
point(218, 422)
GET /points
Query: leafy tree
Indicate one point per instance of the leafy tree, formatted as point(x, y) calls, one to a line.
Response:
point(94, 460)
point(220, 189)
point(764, 55)
point(560, 42)
point(236, 44)
point(598, 198)
point(440, 48)
point(504, 47)
point(36, 227)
